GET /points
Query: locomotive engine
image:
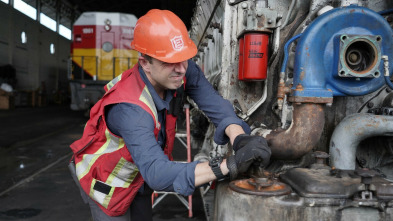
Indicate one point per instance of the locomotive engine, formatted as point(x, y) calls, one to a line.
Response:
point(100, 51)
point(314, 78)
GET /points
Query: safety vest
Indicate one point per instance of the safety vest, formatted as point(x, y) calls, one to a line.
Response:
point(104, 166)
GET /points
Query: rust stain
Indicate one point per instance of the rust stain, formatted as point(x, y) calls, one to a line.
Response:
point(302, 75)
point(245, 184)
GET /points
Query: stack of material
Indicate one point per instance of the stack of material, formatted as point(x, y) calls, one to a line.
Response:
point(6, 97)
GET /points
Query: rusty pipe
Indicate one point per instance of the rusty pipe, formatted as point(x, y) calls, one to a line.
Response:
point(302, 135)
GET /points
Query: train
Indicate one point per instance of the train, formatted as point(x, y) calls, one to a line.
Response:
point(313, 77)
point(100, 51)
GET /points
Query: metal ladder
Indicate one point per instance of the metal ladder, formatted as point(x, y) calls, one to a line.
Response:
point(160, 195)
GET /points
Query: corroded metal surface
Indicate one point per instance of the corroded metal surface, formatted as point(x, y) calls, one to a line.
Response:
point(231, 205)
point(301, 136)
point(259, 186)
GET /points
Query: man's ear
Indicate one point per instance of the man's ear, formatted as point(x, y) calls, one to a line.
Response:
point(144, 64)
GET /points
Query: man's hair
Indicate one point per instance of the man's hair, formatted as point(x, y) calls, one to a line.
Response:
point(148, 58)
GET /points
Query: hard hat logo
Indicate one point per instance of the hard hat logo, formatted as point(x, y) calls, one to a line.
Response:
point(177, 43)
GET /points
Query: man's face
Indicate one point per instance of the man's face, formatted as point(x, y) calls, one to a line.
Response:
point(164, 75)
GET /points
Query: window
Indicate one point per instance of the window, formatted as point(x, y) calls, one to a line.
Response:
point(48, 22)
point(23, 37)
point(52, 48)
point(25, 9)
point(65, 32)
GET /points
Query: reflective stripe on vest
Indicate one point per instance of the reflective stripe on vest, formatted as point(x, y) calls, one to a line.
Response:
point(119, 177)
point(124, 172)
point(112, 83)
point(112, 144)
point(148, 100)
point(104, 166)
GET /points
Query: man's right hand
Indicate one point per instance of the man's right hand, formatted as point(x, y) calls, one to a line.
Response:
point(254, 150)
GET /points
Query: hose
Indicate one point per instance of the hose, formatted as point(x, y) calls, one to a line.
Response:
point(284, 63)
point(385, 12)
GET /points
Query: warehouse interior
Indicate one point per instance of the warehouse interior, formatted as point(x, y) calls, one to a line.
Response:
point(35, 109)
point(310, 83)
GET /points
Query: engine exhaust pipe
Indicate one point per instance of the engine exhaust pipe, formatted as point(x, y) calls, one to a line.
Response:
point(351, 131)
point(302, 135)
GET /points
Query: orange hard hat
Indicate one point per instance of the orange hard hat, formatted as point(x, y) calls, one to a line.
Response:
point(163, 36)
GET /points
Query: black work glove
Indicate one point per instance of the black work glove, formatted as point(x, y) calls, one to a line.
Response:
point(245, 139)
point(249, 150)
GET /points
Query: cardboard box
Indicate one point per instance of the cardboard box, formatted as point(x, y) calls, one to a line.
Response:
point(4, 93)
point(6, 102)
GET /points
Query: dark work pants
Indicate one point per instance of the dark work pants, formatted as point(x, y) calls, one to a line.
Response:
point(140, 209)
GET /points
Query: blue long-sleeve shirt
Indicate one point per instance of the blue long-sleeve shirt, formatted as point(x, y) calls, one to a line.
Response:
point(136, 127)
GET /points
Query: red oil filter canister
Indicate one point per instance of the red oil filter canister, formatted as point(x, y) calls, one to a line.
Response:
point(241, 52)
point(255, 56)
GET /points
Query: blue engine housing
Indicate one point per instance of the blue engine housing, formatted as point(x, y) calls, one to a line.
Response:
point(321, 70)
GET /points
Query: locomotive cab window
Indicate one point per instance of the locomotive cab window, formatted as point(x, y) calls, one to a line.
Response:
point(107, 46)
point(78, 38)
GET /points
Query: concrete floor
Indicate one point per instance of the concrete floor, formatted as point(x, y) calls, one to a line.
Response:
point(35, 183)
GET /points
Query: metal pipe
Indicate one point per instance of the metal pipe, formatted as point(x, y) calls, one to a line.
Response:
point(302, 135)
point(351, 131)
point(282, 89)
point(286, 52)
point(289, 14)
point(252, 109)
point(83, 68)
point(114, 67)
point(96, 68)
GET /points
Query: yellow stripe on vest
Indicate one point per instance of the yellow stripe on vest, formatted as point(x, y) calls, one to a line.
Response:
point(148, 100)
point(123, 174)
point(99, 197)
point(113, 82)
point(112, 144)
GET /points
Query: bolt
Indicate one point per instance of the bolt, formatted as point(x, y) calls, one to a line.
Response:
point(269, 21)
point(370, 104)
point(244, 5)
point(362, 161)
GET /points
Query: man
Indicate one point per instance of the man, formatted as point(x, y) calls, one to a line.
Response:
point(125, 151)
